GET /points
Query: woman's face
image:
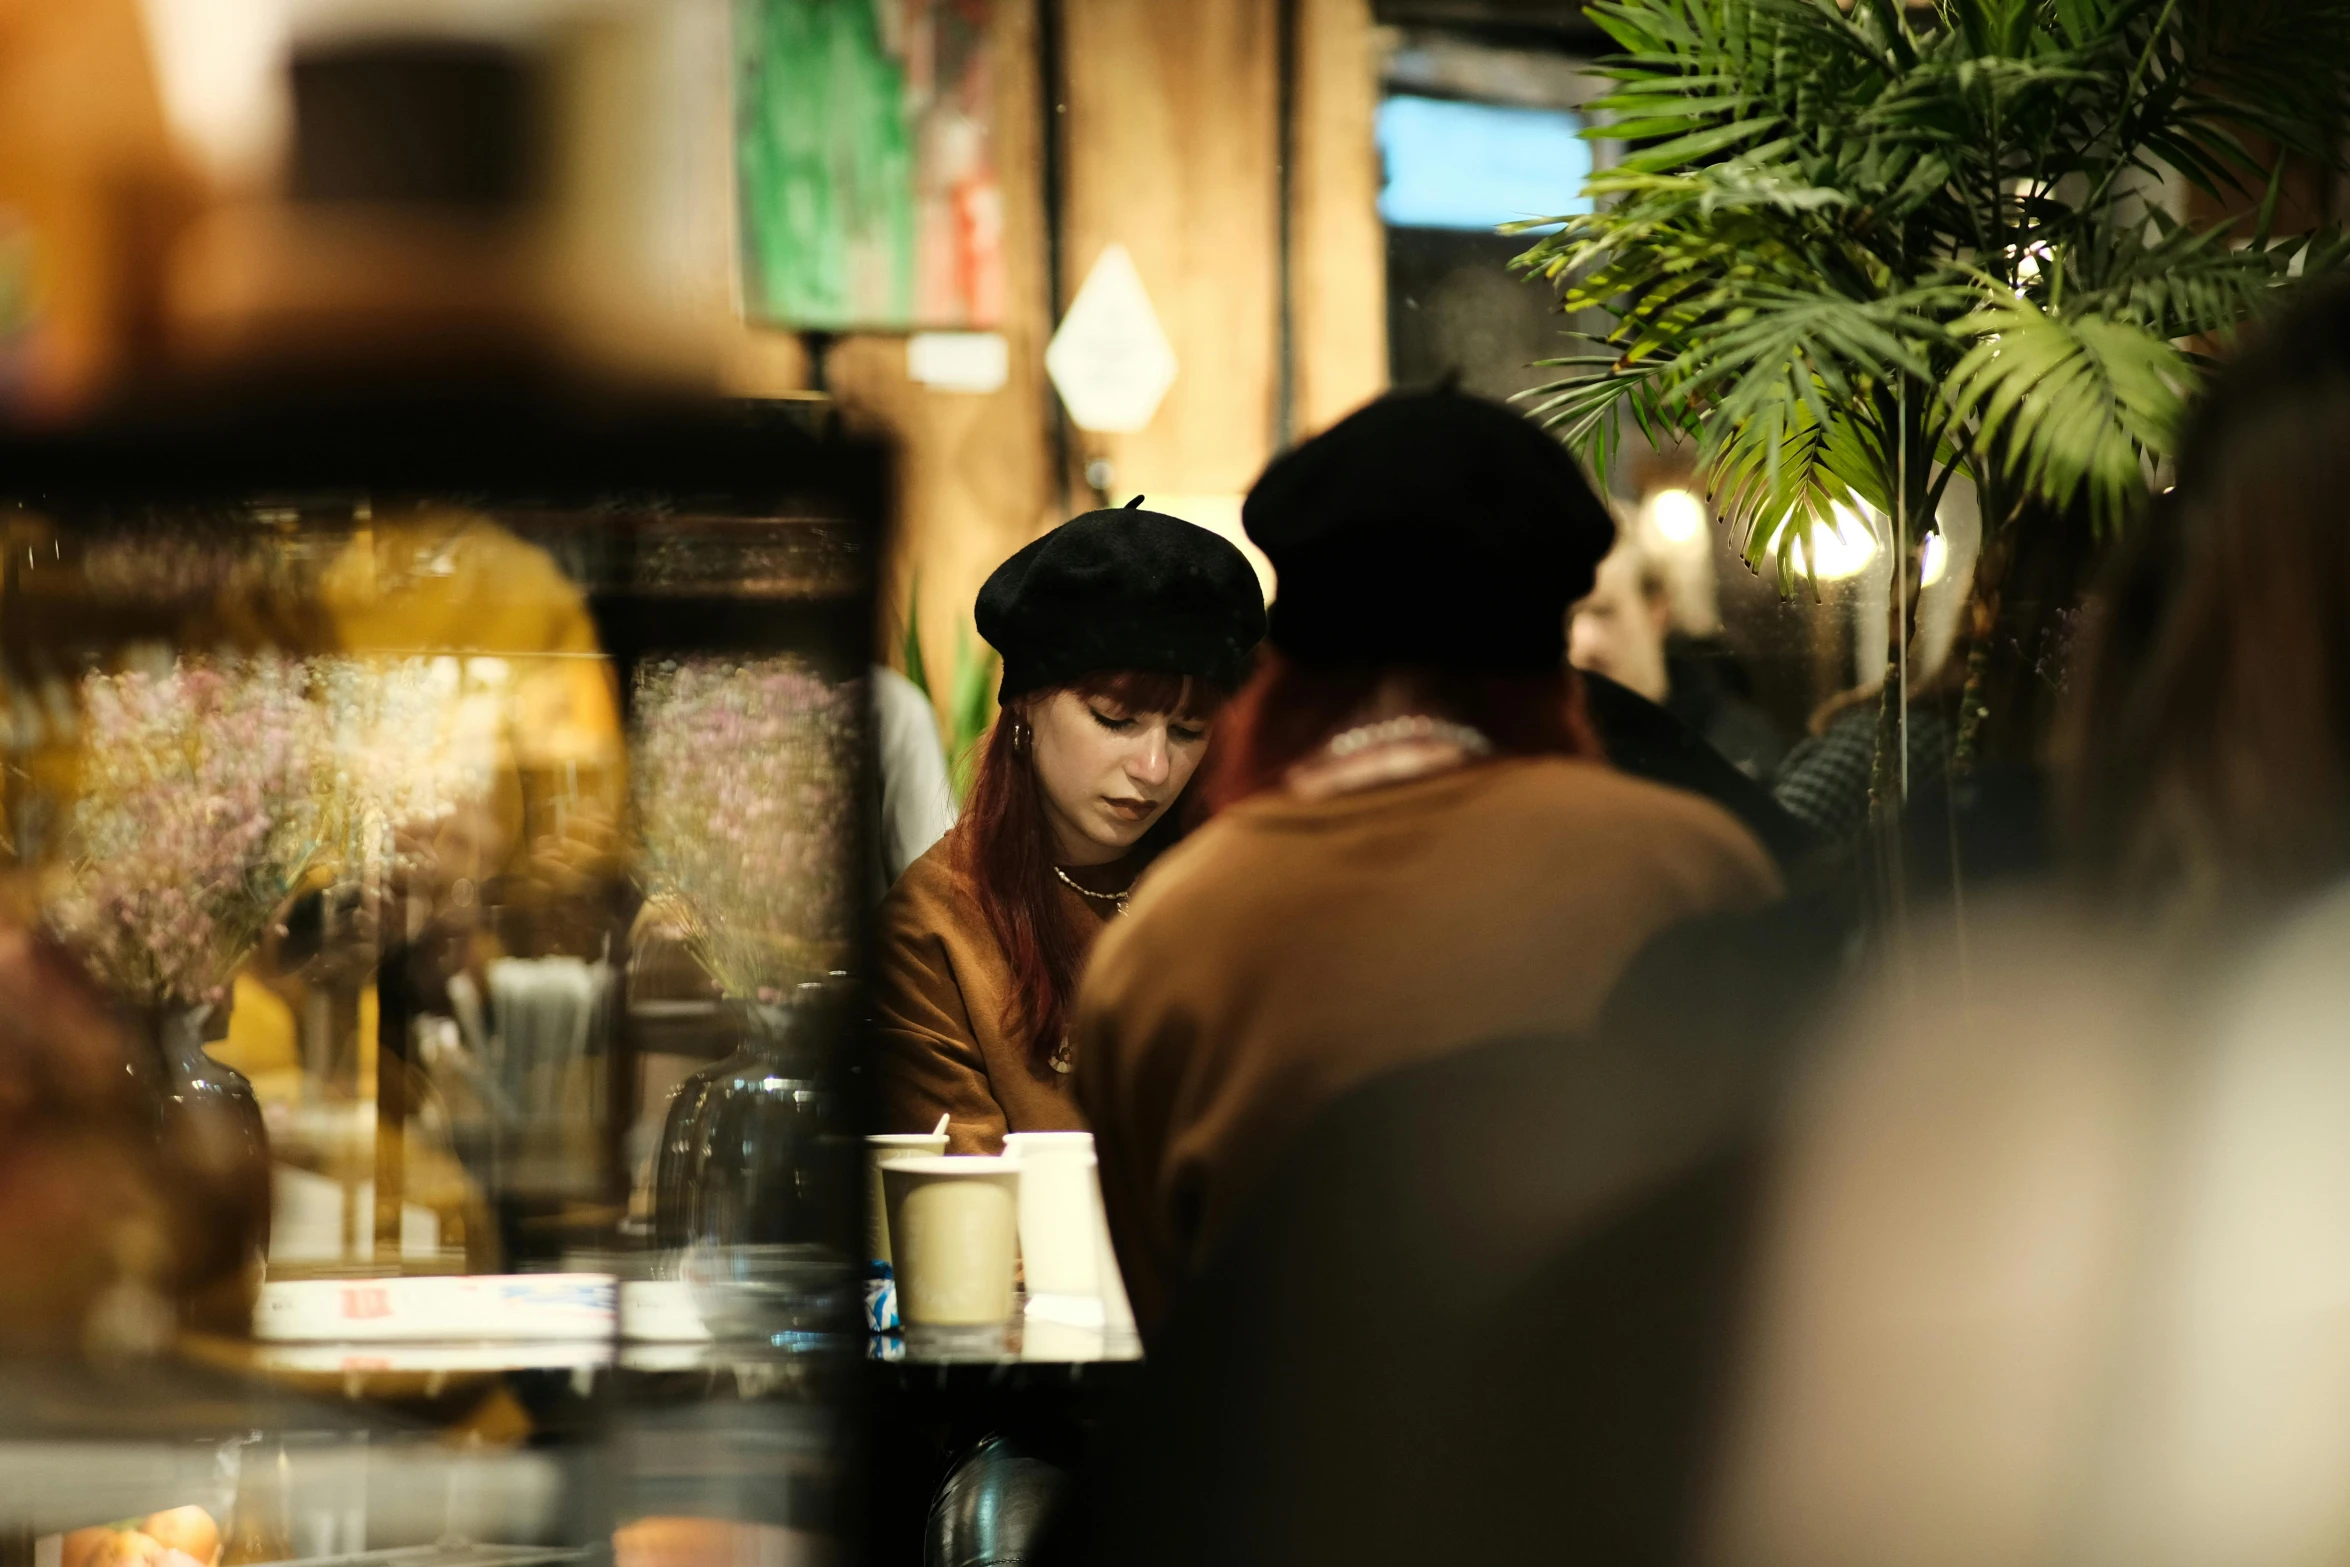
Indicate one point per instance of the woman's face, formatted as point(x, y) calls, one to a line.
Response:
point(1107, 773)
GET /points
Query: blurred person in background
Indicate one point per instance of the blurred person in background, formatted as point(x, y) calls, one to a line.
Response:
point(1418, 842)
point(1122, 634)
point(1824, 781)
point(914, 803)
point(1623, 630)
point(2059, 1268)
point(1619, 627)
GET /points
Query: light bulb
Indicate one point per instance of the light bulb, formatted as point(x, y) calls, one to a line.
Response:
point(1844, 543)
point(1933, 560)
point(1676, 514)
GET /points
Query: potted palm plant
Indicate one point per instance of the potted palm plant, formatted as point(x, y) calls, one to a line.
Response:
point(1856, 250)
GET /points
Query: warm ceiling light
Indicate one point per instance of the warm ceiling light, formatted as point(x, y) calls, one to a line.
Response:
point(1676, 514)
point(1844, 544)
point(1933, 560)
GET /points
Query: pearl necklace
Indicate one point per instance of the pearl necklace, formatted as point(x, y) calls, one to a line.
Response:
point(1414, 726)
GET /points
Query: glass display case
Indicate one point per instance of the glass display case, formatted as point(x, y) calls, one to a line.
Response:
point(407, 783)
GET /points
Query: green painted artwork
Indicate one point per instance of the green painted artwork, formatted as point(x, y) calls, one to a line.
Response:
point(864, 148)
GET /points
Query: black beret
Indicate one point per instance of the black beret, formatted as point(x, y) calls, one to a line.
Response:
point(1119, 590)
point(1428, 528)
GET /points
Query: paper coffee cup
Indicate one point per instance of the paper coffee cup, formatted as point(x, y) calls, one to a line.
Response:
point(1058, 1200)
point(885, 1148)
point(955, 1227)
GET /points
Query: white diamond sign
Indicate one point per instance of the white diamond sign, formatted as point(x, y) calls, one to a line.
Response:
point(1110, 361)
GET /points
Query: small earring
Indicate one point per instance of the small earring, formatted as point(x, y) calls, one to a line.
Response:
point(1022, 737)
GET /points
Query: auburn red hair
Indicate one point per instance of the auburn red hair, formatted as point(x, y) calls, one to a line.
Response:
point(1286, 711)
point(1003, 847)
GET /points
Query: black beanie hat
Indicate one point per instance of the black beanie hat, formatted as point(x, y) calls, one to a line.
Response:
point(1119, 590)
point(1428, 528)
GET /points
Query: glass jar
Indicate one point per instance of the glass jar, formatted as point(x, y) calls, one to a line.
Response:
point(769, 1198)
point(215, 1159)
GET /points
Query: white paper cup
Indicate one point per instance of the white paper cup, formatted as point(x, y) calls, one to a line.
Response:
point(1058, 1201)
point(955, 1223)
point(887, 1148)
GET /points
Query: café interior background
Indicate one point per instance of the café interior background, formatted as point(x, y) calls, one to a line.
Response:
point(1268, 172)
point(1261, 205)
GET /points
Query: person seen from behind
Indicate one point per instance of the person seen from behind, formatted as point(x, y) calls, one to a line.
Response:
point(1418, 843)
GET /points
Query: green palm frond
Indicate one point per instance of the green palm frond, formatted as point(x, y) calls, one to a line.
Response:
point(1851, 247)
point(910, 648)
point(2073, 404)
point(1779, 480)
point(1589, 407)
point(971, 708)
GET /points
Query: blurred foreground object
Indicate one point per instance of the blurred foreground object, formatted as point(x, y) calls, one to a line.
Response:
point(2061, 1268)
point(87, 1229)
point(486, 181)
point(90, 190)
point(992, 1508)
point(549, 180)
point(2206, 764)
point(314, 643)
point(2057, 1270)
point(1957, 1255)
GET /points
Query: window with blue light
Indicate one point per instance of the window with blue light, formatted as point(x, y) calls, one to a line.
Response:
point(1454, 165)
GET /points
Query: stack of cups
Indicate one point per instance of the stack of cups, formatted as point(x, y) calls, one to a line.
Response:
point(952, 1229)
point(1064, 1233)
point(954, 1226)
point(1059, 1196)
point(887, 1148)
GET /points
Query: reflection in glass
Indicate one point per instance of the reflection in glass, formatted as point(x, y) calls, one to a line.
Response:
point(325, 796)
point(198, 813)
point(746, 778)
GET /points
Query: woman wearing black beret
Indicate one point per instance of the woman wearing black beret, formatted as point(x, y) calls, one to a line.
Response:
point(1122, 633)
point(1417, 844)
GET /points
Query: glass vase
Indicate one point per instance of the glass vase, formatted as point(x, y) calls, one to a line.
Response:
point(677, 1162)
point(767, 1198)
point(215, 1156)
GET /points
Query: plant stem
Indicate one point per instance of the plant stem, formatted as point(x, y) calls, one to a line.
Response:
point(1889, 771)
point(1983, 606)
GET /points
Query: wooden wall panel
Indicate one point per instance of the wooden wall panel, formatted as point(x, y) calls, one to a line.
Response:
point(1338, 251)
point(1170, 138)
point(1170, 132)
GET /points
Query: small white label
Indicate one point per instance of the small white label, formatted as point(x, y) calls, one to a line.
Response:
point(660, 1311)
point(959, 361)
point(463, 1309)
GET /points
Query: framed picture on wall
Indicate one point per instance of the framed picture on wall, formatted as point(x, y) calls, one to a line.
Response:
point(865, 159)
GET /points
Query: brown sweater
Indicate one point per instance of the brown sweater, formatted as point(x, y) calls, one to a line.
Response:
point(944, 1044)
point(1290, 950)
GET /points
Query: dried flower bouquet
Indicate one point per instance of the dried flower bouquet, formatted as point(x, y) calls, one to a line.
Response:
point(746, 772)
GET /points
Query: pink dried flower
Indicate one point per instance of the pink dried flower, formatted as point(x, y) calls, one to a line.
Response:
point(197, 814)
point(746, 785)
